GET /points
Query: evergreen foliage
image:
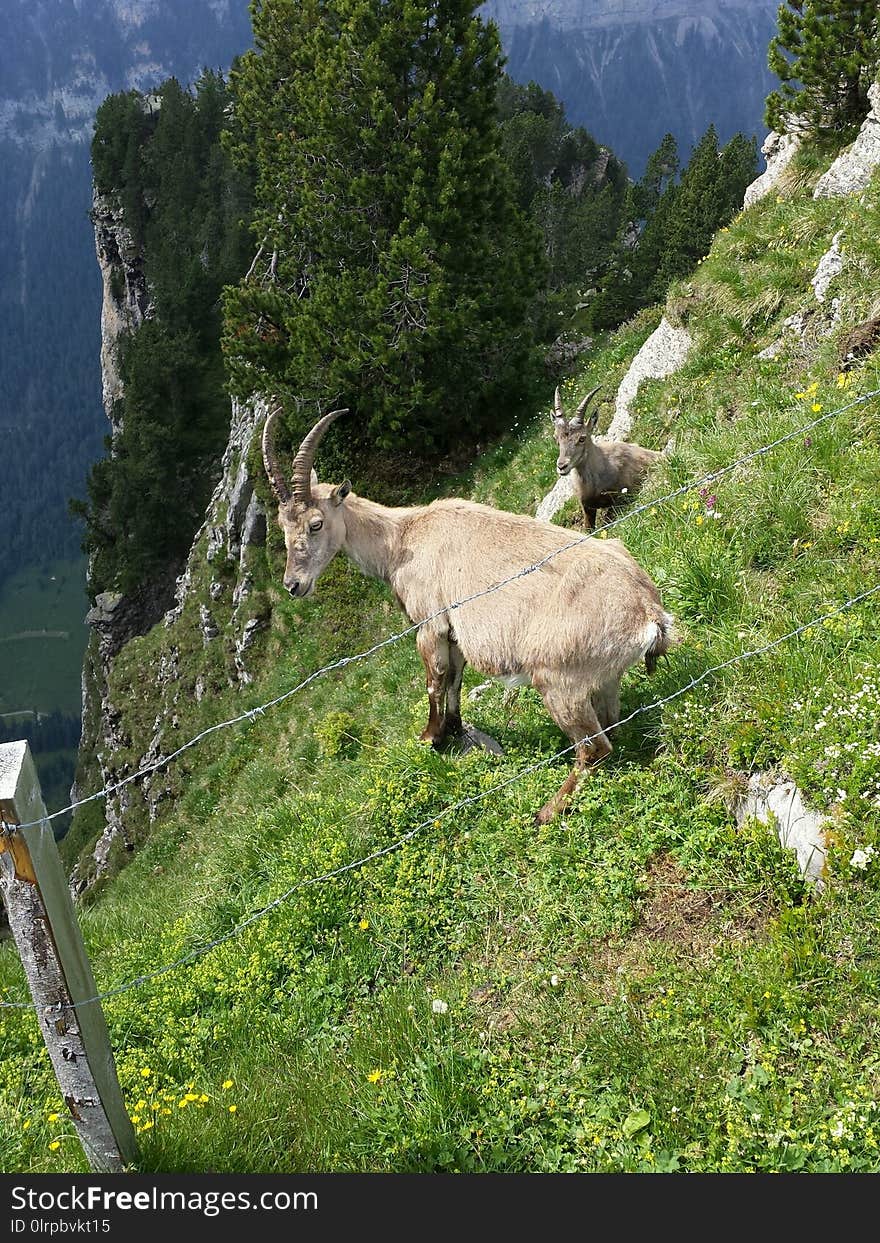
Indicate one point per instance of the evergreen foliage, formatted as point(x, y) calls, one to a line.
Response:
point(397, 272)
point(188, 207)
point(675, 220)
point(573, 189)
point(826, 54)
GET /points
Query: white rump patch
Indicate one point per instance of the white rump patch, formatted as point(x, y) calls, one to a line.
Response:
point(650, 635)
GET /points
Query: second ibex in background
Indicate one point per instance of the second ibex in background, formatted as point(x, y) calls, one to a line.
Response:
point(604, 473)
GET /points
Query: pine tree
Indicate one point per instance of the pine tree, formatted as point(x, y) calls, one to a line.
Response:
point(682, 218)
point(660, 169)
point(826, 54)
point(395, 272)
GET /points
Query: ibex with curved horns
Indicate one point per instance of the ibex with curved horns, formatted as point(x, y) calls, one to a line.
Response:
point(571, 628)
point(603, 473)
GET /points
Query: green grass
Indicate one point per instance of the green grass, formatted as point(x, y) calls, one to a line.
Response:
point(640, 985)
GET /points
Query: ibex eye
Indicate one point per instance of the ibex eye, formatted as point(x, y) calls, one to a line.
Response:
point(316, 524)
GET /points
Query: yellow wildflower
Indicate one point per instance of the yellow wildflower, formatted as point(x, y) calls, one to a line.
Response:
point(374, 1076)
point(227, 1084)
point(55, 1144)
point(233, 1108)
point(364, 925)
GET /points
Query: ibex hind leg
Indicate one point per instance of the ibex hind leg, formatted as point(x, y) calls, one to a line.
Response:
point(606, 702)
point(579, 721)
point(469, 735)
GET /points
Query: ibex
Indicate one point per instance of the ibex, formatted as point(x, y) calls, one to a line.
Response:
point(604, 473)
point(571, 628)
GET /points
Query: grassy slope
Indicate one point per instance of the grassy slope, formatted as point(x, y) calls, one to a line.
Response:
point(640, 985)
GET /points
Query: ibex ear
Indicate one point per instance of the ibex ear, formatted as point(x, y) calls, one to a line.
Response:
point(593, 421)
point(313, 477)
point(339, 493)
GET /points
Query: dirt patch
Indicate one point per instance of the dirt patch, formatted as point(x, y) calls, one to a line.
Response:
point(688, 922)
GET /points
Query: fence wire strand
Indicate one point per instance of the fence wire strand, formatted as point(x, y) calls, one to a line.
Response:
point(255, 916)
point(344, 661)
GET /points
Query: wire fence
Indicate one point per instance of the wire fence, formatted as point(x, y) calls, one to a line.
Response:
point(436, 817)
point(344, 661)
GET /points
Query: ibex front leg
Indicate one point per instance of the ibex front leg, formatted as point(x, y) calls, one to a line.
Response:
point(434, 651)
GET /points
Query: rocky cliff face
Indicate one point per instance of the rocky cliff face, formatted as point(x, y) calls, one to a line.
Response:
point(631, 73)
point(126, 300)
point(214, 597)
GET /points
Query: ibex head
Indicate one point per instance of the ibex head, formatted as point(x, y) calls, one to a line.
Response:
point(573, 435)
point(308, 511)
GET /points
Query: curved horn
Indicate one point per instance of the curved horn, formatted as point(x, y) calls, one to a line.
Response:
point(270, 461)
point(305, 456)
point(557, 405)
point(582, 408)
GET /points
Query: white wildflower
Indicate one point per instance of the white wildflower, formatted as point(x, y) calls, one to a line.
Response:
point(438, 1006)
point(861, 858)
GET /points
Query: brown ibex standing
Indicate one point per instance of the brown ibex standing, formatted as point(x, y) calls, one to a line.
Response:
point(570, 628)
point(604, 473)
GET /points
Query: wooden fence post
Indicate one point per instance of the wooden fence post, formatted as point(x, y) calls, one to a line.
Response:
point(44, 924)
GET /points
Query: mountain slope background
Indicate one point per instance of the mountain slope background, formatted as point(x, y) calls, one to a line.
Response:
point(636, 72)
point(645, 984)
point(58, 60)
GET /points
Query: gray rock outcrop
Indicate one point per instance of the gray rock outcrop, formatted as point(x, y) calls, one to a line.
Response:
point(126, 300)
point(854, 167)
point(828, 269)
point(664, 353)
point(777, 798)
point(778, 150)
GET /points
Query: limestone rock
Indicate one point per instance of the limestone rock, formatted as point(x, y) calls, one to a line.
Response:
point(551, 504)
point(830, 266)
point(664, 353)
point(778, 150)
point(854, 167)
point(799, 828)
point(126, 301)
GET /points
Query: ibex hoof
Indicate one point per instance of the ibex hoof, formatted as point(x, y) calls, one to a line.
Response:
point(472, 737)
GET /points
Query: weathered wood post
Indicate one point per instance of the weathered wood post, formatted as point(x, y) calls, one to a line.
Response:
point(44, 925)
